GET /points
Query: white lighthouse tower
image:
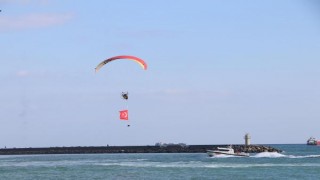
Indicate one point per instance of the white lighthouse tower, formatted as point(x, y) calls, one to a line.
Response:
point(247, 139)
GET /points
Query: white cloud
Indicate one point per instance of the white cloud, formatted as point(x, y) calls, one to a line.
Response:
point(23, 73)
point(175, 91)
point(151, 33)
point(33, 21)
point(24, 2)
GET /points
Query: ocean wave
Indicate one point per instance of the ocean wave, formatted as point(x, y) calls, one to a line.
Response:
point(150, 164)
point(206, 165)
point(43, 163)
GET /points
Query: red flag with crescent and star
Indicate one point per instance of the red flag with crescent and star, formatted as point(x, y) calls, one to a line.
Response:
point(124, 115)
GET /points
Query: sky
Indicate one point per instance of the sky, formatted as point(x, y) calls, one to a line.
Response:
point(217, 69)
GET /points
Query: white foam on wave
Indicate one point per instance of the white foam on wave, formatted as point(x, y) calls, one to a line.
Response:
point(153, 164)
point(279, 155)
point(43, 163)
point(213, 165)
point(307, 156)
point(141, 159)
point(269, 155)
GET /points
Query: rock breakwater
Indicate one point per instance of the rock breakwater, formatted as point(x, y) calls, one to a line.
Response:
point(133, 149)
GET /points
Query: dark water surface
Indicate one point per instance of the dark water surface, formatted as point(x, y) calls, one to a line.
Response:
point(296, 162)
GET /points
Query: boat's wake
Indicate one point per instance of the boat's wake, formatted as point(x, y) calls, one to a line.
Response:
point(279, 155)
point(307, 156)
point(269, 155)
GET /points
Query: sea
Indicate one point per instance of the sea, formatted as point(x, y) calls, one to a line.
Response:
point(297, 161)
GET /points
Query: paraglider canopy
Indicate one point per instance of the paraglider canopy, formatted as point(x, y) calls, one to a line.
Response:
point(141, 62)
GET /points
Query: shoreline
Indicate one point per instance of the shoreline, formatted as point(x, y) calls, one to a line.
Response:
point(133, 149)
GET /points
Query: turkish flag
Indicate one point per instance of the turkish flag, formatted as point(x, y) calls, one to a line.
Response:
point(124, 115)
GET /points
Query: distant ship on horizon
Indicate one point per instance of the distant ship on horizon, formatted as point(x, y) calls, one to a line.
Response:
point(313, 141)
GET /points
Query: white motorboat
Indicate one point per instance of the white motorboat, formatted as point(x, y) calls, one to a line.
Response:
point(226, 151)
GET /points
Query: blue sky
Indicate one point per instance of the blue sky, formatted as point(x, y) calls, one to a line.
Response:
point(216, 70)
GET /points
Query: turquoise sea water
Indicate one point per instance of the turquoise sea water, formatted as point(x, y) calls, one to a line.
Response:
point(297, 162)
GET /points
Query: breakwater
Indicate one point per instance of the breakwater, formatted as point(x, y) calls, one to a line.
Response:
point(133, 149)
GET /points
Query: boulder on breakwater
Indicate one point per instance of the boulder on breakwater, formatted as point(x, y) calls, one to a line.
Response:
point(254, 148)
